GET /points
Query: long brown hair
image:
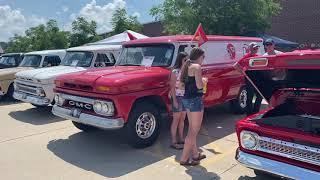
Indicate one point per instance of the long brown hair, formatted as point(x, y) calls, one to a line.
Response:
point(195, 54)
point(179, 60)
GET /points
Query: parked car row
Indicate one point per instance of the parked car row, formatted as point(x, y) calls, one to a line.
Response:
point(31, 60)
point(126, 87)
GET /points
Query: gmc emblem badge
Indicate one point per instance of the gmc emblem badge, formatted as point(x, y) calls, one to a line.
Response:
point(80, 105)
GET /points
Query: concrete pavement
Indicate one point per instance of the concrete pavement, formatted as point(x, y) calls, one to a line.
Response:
point(34, 144)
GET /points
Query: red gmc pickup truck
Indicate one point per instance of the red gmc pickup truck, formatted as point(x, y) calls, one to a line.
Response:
point(283, 140)
point(134, 93)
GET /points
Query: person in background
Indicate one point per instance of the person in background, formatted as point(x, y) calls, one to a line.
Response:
point(252, 107)
point(176, 94)
point(191, 77)
point(270, 48)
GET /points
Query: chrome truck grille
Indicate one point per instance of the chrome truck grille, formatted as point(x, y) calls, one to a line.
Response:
point(290, 150)
point(26, 88)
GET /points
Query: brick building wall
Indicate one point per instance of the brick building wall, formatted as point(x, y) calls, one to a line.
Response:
point(299, 21)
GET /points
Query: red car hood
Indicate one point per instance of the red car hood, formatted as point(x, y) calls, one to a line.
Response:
point(295, 71)
point(119, 79)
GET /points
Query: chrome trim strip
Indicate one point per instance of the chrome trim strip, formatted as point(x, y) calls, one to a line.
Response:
point(100, 122)
point(77, 98)
point(294, 146)
point(275, 167)
point(310, 116)
point(31, 99)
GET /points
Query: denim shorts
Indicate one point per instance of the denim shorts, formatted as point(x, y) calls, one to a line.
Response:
point(180, 105)
point(193, 104)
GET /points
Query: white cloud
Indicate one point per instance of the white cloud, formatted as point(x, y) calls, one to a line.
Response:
point(12, 21)
point(137, 14)
point(65, 9)
point(102, 14)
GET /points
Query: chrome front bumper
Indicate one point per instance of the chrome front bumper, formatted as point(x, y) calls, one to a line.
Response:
point(96, 121)
point(41, 101)
point(275, 167)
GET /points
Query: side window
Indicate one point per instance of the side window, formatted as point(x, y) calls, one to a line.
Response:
point(103, 61)
point(57, 61)
point(112, 58)
point(183, 48)
point(51, 61)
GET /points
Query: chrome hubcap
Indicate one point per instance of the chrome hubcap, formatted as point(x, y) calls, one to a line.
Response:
point(243, 98)
point(145, 125)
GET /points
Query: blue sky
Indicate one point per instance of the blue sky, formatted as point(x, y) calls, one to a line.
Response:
point(18, 15)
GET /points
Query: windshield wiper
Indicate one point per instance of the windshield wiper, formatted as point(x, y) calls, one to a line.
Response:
point(128, 65)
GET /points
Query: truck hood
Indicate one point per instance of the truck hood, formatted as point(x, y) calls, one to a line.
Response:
point(47, 75)
point(294, 71)
point(9, 73)
point(117, 80)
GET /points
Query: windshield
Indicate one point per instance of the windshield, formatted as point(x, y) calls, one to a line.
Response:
point(147, 55)
point(31, 61)
point(8, 60)
point(78, 58)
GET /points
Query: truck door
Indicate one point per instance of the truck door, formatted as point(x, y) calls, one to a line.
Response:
point(224, 81)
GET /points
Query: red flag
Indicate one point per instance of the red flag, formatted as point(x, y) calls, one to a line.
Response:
point(131, 37)
point(200, 36)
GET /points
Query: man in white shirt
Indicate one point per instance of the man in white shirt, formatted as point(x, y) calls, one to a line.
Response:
point(270, 45)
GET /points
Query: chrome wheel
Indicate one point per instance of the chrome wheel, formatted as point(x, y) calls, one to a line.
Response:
point(145, 125)
point(243, 97)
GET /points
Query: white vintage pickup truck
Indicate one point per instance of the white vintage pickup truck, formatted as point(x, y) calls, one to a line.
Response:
point(36, 86)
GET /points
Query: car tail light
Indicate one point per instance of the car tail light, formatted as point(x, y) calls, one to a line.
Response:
point(258, 62)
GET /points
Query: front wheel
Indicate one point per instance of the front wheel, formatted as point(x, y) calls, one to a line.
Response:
point(143, 127)
point(239, 105)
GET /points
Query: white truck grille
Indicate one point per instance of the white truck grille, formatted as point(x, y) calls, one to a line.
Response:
point(26, 88)
point(290, 150)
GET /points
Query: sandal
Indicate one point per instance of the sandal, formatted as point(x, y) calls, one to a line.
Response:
point(200, 157)
point(189, 163)
point(176, 146)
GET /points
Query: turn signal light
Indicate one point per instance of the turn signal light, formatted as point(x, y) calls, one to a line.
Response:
point(258, 62)
point(103, 88)
point(58, 83)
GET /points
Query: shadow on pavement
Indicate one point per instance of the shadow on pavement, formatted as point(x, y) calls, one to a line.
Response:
point(36, 116)
point(5, 101)
point(201, 173)
point(106, 152)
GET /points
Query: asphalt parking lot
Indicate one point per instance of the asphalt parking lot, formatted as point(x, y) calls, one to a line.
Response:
point(34, 144)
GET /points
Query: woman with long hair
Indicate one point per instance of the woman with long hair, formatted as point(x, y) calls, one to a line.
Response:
point(191, 77)
point(176, 94)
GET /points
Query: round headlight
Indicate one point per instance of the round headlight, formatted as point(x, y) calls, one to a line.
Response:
point(97, 107)
point(40, 92)
point(61, 101)
point(56, 98)
point(105, 108)
point(249, 140)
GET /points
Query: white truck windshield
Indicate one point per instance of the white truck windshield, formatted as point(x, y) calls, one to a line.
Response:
point(77, 58)
point(147, 55)
point(31, 61)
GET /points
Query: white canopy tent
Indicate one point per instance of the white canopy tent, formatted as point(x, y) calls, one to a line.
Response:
point(1, 50)
point(119, 39)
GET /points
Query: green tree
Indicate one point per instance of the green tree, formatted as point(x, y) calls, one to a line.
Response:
point(42, 37)
point(122, 22)
point(227, 17)
point(83, 32)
